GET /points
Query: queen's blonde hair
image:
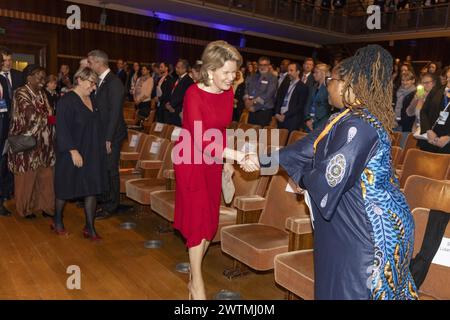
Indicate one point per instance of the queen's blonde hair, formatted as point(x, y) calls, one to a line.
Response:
point(214, 57)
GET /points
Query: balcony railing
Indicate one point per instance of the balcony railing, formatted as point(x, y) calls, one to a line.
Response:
point(351, 19)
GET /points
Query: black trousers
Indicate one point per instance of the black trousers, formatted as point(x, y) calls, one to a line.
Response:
point(144, 109)
point(6, 178)
point(261, 117)
point(111, 199)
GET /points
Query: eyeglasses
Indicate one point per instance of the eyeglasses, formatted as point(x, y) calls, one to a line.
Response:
point(427, 82)
point(263, 64)
point(93, 83)
point(329, 79)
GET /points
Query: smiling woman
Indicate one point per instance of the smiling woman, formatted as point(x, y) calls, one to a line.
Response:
point(32, 169)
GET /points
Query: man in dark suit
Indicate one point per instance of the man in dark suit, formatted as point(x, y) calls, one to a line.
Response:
point(5, 109)
point(163, 90)
point(14, 79)
point(289, 109)
point(174, 107)
point(121, 73)
point(109, 99)
point(307, 78)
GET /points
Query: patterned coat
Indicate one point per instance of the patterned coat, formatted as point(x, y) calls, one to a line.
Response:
point(363, 228)
point(30, 116)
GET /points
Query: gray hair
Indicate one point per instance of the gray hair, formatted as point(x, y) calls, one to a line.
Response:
point(99, 56)
point(85, 74)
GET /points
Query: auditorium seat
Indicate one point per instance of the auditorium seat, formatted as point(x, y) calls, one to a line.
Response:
point(283, 135)
point(395, 152)
point(246, 185)
point(132, 148)
point(396, 138)
point(139, 189)
point(422, 195)
point(422, 163)
point(411, 143)
point(149, 162)
point(256, 244)
point(158, 129)
point(295, 136)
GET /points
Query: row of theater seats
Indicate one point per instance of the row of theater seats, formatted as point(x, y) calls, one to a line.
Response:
point(267, 227)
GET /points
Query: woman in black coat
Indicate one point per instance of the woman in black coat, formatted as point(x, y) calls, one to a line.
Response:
point(80, 152)
point(239, 92)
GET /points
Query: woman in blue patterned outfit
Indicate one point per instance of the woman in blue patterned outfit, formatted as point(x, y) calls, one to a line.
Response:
point(363, 228)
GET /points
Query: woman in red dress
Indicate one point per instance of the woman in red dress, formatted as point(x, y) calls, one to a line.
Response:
point(208, 107)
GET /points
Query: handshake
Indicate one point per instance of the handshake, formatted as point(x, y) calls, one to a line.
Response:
point(249, 162)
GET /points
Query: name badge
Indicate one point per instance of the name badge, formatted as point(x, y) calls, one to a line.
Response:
point(443, 116)
point(264, 82)
point(3, 106)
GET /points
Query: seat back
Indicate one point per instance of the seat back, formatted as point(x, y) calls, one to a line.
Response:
point(147, 123)
point(167, 163)
point(427, 164)
point(134, 142)
point(154, 148)
point(244, 117)
point(158, 129)
point(248, 183)
point(396, 138)
point(424, 194)
point(168, 132)
point(281, 204)
point(295, 136)
point(411, 143)
point(395, 152)
point(280, 136)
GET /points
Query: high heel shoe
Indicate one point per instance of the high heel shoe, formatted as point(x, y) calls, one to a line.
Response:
point(94, 237)
point(61, 232)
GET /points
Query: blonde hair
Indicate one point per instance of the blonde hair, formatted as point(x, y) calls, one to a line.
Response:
point(85, 74)
point(214, 57)
point(324, 68)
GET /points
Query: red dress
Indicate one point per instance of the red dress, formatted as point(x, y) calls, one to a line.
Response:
point(199, 183)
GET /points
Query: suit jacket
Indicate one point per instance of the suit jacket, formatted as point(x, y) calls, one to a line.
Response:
point(295, 116)
point(17, 79)
point(312, 86)
point(4, 117)
point(431, 108)
point(109, 99)
point(122, 76)
point(176, 100)
point(281, 93)
point(166, 88)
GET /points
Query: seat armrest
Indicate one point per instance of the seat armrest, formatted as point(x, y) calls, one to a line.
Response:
point(249, 203)
point(169, 174)
point(150, 164)
point(299, 225)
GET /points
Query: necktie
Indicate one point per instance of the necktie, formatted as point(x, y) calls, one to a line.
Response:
point(9, 84)
point(304, 78)
point(175, 85)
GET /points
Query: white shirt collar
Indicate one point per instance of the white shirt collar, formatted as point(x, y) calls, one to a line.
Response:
point(103, 75)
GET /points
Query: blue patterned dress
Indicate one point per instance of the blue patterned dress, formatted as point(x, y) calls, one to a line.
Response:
point(363, 228)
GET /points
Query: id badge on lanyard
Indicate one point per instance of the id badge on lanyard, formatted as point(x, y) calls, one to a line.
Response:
point(443, 115)
point(3, 106)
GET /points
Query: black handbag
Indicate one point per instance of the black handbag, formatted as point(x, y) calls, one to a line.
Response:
point(21, 143)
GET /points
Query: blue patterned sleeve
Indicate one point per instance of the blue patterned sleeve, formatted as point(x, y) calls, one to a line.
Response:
point(339, 166)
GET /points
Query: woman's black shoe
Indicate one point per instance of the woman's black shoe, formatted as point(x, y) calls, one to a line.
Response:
point(30, 216)
point(4, 212)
